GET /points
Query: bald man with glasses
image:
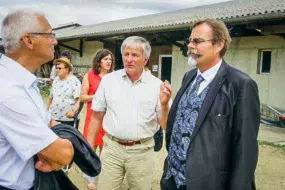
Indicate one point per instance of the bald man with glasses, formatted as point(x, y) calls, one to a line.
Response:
point(24, 121)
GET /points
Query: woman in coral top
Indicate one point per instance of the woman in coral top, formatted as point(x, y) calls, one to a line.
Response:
point(103, 63)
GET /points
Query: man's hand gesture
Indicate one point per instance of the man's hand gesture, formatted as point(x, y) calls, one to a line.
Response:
point(165, 93)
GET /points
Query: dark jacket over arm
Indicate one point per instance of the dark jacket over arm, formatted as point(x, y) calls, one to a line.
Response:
point(84, 157)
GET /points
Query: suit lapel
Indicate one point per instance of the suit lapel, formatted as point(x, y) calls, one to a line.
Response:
point(181, 91)
point(210, 97)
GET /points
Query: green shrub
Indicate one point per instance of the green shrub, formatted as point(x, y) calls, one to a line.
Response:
point(44, 89)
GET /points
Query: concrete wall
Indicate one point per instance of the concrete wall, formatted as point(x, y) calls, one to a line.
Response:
point(154, 57)
point(89, 51)
point(179, 68)
point(243, 54)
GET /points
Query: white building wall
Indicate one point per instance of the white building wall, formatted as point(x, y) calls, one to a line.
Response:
point(179, 68)
point(243, 54)
point(89, 51)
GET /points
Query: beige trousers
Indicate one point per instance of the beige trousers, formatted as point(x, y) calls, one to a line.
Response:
point(136, 162)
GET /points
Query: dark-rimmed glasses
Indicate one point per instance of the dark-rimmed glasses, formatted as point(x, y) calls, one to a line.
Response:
point(197, 41)
point(43, 33)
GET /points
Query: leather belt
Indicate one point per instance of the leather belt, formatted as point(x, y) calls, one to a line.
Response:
point(126, 142)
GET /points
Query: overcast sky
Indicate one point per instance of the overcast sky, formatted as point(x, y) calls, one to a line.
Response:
point(86, 12)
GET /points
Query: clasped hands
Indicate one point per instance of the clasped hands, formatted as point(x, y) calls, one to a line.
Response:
point(44, 164)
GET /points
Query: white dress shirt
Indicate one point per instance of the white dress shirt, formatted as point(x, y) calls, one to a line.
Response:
point(23, 125)
point(208, 76)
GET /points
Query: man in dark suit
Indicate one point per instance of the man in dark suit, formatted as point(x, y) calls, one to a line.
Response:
point(212, 127)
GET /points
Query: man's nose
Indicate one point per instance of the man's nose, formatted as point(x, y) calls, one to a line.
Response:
point(54, 42)
point(129, 58)
point(190, 46)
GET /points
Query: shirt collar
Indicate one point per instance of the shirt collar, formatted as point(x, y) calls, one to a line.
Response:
point(17, 72)
point(143, 77)
point(210, 74)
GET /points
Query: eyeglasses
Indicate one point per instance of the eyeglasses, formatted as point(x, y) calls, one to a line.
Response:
point(44, 33)
point(197, 41)
point(59, 68)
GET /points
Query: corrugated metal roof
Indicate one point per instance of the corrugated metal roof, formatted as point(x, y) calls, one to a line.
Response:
point(227, 11)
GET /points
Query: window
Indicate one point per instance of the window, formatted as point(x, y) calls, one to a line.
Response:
point(264, 63)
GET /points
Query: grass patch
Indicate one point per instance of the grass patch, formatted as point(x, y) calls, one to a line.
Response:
point(278, 146)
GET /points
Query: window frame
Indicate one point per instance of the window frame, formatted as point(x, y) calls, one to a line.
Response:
point(260, 61)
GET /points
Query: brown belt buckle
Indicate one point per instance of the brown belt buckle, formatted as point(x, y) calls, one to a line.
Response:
point(126, 143)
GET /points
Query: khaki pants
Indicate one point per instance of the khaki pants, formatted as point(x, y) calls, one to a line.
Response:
point(136, 162)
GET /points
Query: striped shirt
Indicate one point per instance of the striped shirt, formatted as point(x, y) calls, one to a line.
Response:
point(132, 109)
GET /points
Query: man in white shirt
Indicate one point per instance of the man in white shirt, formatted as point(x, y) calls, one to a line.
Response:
point(133, 104)
point(24, 121)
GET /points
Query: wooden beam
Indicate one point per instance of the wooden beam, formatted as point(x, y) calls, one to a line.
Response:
point(57, 52)
point(81, 47)
point(106, 38)
point(168, 39)
point(274, 29)
point(90, 39)
point(281, 35)
point(183, 47)
point(69, 47)
point(80, 50)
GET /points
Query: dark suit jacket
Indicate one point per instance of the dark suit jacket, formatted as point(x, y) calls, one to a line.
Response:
point(223, 151)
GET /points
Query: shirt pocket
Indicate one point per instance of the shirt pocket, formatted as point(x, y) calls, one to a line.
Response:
point(220, 121)
point(147, 111)
point(219, 136)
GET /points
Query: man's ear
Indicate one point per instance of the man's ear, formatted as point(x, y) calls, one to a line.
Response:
point(145, 61)
point(219, 46)
point(27, 41)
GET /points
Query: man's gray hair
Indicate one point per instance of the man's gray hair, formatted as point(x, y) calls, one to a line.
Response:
point(135, 42)
point(15, 24)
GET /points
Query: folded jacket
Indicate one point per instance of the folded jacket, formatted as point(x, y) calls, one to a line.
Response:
point(84, 157)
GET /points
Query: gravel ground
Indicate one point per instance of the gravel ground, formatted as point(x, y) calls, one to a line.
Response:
point(269, 174)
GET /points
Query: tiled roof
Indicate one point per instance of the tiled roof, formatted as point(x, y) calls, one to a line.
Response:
point(228, 11)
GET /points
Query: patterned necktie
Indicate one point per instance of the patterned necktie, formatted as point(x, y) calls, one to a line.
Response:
point(195, 87)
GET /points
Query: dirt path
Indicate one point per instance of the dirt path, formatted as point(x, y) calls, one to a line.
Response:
point(270, 172)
